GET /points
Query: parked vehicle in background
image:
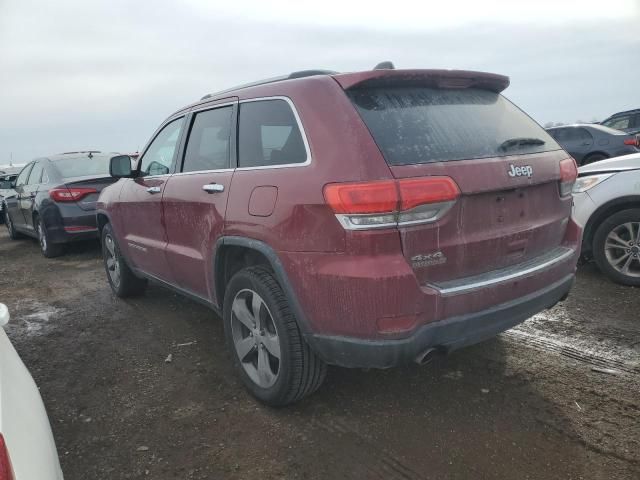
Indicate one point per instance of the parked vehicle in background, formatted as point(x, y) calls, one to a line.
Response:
point(607, 205)
point(589, 143)
point(27, 449)
point(55, 199)
point(6, 190)
point(364, 219)
point(628, 121)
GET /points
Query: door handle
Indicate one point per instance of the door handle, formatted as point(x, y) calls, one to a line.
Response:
point(213, 188)
point(153, 190)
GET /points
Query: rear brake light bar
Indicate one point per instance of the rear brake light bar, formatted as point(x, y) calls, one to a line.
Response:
point(568, 176)
point(70, 194)
point(391, 203)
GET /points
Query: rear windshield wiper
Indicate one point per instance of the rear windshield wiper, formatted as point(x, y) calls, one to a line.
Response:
point(520, 142)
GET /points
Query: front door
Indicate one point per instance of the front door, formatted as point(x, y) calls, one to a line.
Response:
point(14, 204)
point(143, 234)
point(28, 195)
point(195, 199)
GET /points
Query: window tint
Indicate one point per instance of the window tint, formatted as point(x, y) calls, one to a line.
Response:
point(208, 144)
point(158, 158)
point(423, 125)
point(269, 135)
point(618, 123)
point(24, 174)
point(83, 166)
point(36, 174)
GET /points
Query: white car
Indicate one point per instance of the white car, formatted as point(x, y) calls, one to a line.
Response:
point(606, 200)
point(27, 449)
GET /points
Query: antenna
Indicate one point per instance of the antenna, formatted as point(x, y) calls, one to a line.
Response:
point(386, 65)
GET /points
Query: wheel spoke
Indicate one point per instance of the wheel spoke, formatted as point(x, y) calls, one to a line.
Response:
point(244, 346)
point(629, 227)
point(109, 244)
point(617, 261)
point(264, 368)
point(625, 268)
point(242, 313)
point(111, 264)
point(272, 344)
point(614, 241)
point(256, 306)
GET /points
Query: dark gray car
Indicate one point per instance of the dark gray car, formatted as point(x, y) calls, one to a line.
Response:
point(55, 199)
point(590, 143)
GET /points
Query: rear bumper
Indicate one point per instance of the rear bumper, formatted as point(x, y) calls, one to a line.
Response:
point(70, 225)
point(449, 334)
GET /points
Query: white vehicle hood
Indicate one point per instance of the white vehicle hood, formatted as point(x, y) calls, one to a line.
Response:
point(23, 420)
point(617, 164)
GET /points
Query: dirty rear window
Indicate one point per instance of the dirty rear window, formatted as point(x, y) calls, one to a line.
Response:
point(424, 125)
point(83, 166)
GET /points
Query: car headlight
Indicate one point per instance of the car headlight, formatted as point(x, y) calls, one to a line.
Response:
point(585, 183)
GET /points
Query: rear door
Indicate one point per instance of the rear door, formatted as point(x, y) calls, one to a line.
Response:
point(506, 167)
point(195, 198)
point(143, 235)
point(28, 194)
point(14, 203)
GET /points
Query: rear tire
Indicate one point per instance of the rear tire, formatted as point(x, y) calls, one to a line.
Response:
point(616, 247)
point(272, 358)
point(48, 249)
point(122, 280)
point(13, 235)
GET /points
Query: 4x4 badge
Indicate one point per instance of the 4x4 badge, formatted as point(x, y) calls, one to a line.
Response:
point(524, 171)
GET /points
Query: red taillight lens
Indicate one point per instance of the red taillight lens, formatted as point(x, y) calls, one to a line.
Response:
point(632, 141)
point(568, 175)
point(6, 472)
point(70, 194)
point(362, 198)
point(385, 203)
point(420, 191)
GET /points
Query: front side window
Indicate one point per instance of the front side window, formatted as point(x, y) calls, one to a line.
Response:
point(209, 140)
point(158, 158)
point(24, 174)
point(268, 135)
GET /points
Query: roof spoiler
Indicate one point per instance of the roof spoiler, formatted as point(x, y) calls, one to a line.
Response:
point(384, 76)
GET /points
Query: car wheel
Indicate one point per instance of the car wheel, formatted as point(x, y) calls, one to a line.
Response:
point(596, 157)
point(616, 247)
point(275, 363)
point(48, 249)
point(123, 281)
point(13, 235)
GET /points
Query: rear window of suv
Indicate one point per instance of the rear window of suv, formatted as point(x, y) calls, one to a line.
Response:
point(424, 125)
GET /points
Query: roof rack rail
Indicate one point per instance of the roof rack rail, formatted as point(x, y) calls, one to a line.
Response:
point(291, 76)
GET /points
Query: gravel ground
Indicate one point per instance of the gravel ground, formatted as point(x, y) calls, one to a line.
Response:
point(558, 397)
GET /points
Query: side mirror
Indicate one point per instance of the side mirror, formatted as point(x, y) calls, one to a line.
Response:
point(120, 167)
point(4, 315)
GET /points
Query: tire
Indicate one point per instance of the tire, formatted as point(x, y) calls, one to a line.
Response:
point(48, 249)
point(616, 247)
point(13, 235)
point(594, 157)
point(122, 280)
point(298, 372)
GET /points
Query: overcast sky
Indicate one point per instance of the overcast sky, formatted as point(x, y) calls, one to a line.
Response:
point(77, 74)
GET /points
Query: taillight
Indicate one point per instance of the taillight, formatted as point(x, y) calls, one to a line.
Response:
point(391, 203)
point(70, 194)
point(6, 472)
point(568, 175)
point(632, 141)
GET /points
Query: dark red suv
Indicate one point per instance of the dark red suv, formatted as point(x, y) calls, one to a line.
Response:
point(362, 219)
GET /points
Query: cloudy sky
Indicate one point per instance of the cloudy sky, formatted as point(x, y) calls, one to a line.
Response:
point(78, 74)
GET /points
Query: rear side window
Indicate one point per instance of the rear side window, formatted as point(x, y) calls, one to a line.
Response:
point(208, 144)
point(83, 166)
point(424, 125)
point(36, 174)
point(268, 134)
point(618, 123)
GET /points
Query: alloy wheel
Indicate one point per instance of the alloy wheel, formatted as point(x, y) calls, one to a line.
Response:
point(255, 338)
point(113, 265)
point(42, 238)
point(622, 248)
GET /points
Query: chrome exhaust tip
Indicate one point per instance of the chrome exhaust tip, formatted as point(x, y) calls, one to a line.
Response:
point(426, 356)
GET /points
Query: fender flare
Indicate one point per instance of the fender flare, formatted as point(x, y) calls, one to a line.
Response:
point(276, 265)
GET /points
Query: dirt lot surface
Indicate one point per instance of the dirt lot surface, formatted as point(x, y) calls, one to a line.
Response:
point(557, 398)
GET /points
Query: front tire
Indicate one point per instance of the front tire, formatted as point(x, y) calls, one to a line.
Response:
point(272, 358)
point(122, 280)
point(48, 249)
point(616, 247)
point(13, 235)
